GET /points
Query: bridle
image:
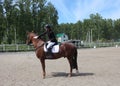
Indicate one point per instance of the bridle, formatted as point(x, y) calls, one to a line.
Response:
point(39, 45)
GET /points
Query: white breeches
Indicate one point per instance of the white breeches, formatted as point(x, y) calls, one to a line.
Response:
point(50, 44)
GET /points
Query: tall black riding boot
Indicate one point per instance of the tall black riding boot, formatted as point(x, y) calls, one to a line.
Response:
point(49, 53)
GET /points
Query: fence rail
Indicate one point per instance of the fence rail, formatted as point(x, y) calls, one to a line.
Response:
point(15, 47)
point(96, 45)
point(24, 47)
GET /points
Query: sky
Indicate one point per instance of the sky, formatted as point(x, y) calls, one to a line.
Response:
point(71, 11)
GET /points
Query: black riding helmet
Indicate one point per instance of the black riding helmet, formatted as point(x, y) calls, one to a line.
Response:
point(47, 26)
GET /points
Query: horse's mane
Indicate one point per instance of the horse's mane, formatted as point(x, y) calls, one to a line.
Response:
point(36, 34)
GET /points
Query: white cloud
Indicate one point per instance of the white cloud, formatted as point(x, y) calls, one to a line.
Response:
point(107, 8)
point(83, 8)
point(113, 11)
point(63, 10)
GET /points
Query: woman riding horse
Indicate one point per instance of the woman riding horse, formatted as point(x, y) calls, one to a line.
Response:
point(67, 50)
point(52, 40)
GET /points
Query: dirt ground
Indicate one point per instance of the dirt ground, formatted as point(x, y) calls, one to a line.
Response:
point(97, 67)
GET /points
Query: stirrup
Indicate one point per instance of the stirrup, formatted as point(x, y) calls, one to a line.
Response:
point(49, 55)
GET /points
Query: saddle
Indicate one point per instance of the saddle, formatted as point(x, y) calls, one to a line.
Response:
point(55, 48)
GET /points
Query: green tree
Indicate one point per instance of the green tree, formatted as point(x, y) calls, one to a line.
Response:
point(117, 29)
point(8, 6)
point(2, 23)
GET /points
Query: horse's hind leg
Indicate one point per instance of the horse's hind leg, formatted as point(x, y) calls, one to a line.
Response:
point(70, 62)
point(77, 71)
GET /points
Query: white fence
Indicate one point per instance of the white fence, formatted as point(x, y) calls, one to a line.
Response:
point(110, 44)
point(15, 47)
point(96, 45)
point(24, 47)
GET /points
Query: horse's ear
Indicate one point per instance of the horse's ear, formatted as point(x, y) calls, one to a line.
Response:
point(27, 32)
point(32, 31)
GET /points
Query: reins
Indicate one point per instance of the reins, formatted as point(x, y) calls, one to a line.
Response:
point(40, 46)
point(35, 37)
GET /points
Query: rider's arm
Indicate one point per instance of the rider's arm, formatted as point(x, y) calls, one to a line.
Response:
point(42, 34)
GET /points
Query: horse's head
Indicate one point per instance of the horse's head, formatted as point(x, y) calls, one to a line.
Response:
point(30, 36)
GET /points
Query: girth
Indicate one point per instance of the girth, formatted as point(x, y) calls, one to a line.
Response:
point(39, 46)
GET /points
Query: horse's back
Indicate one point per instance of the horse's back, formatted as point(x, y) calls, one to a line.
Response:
point(68, 48)
point(69, 45)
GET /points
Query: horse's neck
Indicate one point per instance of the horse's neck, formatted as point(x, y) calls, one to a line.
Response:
point(37, 43)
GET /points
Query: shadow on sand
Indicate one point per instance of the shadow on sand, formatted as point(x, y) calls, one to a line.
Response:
point(63, 74)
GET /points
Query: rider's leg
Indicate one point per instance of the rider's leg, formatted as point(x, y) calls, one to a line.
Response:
point(50, 44)
point(49, 49)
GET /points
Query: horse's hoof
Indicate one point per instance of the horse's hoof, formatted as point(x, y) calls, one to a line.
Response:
point(69, 75)
point(77, 71)
point(43, 77)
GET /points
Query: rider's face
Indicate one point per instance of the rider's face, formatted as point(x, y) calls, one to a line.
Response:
point(47, 29)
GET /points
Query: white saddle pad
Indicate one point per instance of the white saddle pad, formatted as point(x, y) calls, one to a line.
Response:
point(55, 49)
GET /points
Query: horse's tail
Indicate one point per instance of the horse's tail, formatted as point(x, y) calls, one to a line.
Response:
point(75, 65)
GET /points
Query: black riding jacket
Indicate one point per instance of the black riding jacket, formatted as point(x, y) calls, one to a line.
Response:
point(51, 35)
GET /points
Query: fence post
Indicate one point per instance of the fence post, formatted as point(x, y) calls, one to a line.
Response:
point(79, 44)
point(16, 47)
point(3, 47)
point(28, 48)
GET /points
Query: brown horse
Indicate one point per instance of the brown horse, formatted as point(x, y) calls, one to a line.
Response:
point(67, 50)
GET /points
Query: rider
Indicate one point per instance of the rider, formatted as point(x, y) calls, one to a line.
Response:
point(52, 39)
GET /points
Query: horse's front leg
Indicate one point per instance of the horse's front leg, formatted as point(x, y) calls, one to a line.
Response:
point(43, 67)
point(70, 63)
